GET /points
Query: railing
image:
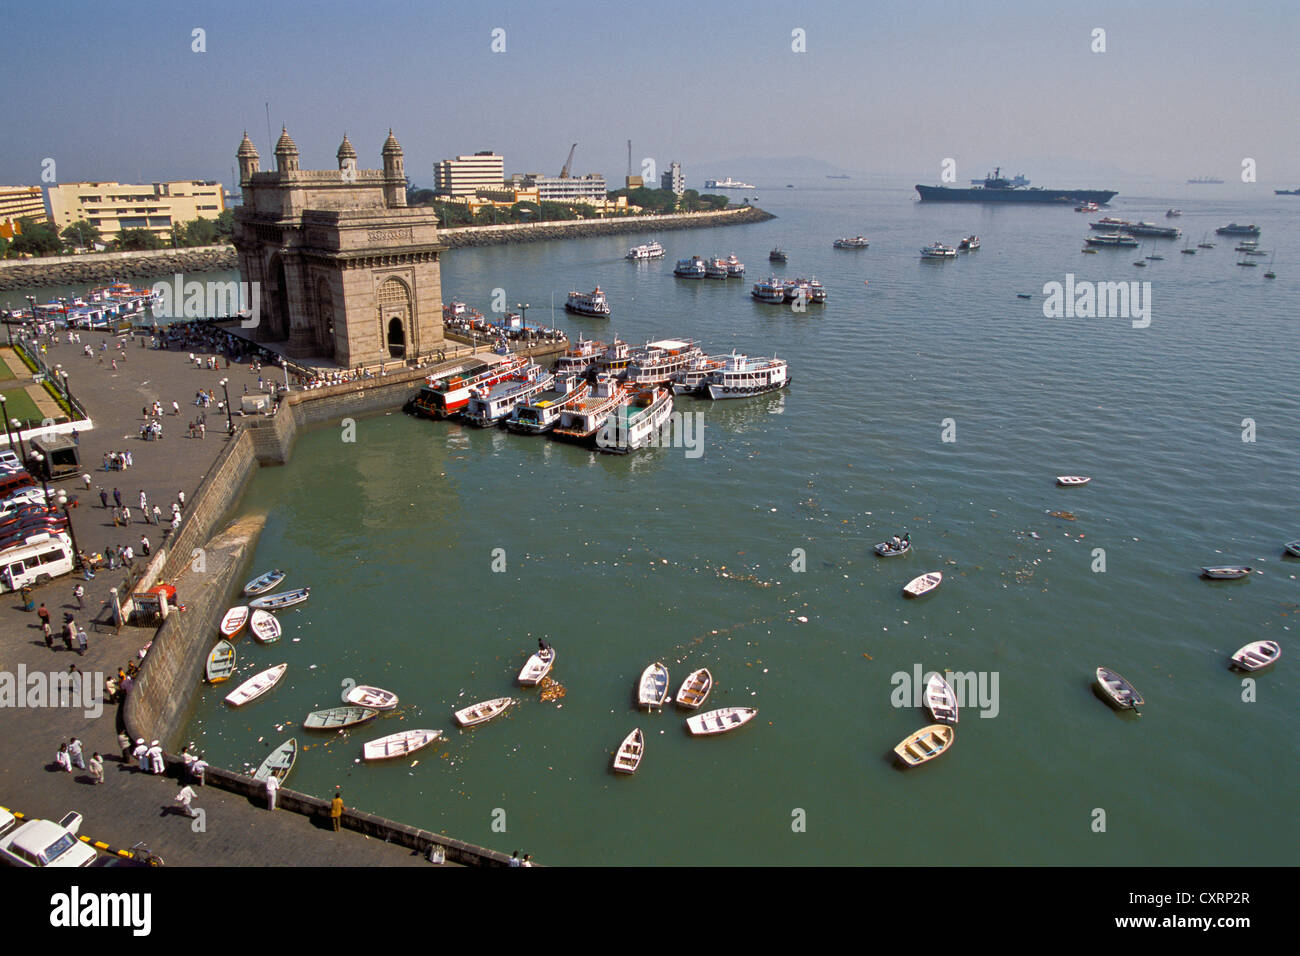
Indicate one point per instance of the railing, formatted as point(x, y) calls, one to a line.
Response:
point(30, 351)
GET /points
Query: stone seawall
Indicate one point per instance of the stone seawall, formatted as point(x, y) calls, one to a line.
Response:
point(463, 236)
point(108, 266)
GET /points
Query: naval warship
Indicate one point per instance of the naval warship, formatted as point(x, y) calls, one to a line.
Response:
point(998, 189)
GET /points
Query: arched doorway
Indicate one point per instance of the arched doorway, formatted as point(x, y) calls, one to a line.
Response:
point(396, 339)
point(323, 328)
point(394, 306)
point(278, 320)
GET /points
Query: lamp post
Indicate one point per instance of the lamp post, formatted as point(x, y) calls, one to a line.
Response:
point(18, 430)
point(4, 412)
point(67, 389)
point(62, 501)
point(230, 425)
point(40, 468)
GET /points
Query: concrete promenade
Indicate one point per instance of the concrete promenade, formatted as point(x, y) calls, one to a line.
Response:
point(132, 806)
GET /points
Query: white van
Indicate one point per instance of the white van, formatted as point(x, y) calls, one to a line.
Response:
point(40, 560)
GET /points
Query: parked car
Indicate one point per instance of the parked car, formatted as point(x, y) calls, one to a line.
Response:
point(45, 843)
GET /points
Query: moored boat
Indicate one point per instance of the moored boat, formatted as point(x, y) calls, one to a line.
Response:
point(741, 377)
point(256, 686)
point(282, 600)
point(695, 689)
point(1232, 229)
point(1257, 655)
point(401, 744)
point(1072, 481)
point(536, 667)
point(374, 698)
point(1112, 239)
point(581, 421)
point(715, 268)
point(940, 701)
point(721, 720)
point(1118, 691)
point(923, 584)
point(735, 268)
point(937, 250)
point(657, 362)
point(441, 397)
point(278, 762)
point(856, 242)
point(777, 255)
point(233, 621)
point(264, 626)
point(692, 268)
point(579, 358)
point(336, 718)
point(636, 423)
point(221, 662)
point(482, 712)
point(1109, 224)
point(588, 303)
point(541, 413)
point(628, 756)
point(652, 689)
point(1226, 572)
point(691, 381)
point(926, 744)
point(493, 405)
point(771, 290)
point(969, 244)
point(263, 582)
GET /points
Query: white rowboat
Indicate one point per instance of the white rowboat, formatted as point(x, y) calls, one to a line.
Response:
point(652, 691)
point(940, 701)
point(376, 698)
point(537, 667)
point(695, 689)
point(399, 745)
point(483, 712)
point(1118, 691)
point(1257, 655)
point(279, 762)
point(284, 599)
point(233, 621)
point(256, 686)
point(1293, 548)
point(1071, 481)
point(265, 626)
point(263, 582)
point(721, 720)
point(1227, 573)
point(221, 662)
point(923, 585)
point(336, 718)
point(630, 751)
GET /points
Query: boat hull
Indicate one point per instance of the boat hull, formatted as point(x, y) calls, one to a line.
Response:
point(720, 392)
point(1055, 197)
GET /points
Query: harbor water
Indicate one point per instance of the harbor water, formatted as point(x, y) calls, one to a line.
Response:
point(927, 398)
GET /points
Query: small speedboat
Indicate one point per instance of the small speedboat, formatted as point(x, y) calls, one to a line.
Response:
point(1257, 655)
point(279, 762)
point(483, 712)
point(695, 689)
point(336, 718)
point(652, 691)
point(923, 585)
point(233, 621)
point(630, 751)
point(887, 549)
point(926, 744)
point(221, 662)
point(276, 601)
point(1293, 548)
point(399, 744)
point(256, 686)
point(265, 626)
point(721, 720)
point(1119, 692)
point(1072, 481)
point(537, 667)
point(940, 701)
point(1226, 572)
point(263, 582)
point(363, 695)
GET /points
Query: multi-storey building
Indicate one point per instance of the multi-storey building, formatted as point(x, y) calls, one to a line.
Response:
point(465, 175)
point(113, 207)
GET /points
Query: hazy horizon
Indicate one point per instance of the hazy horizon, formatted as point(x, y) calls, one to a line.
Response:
point(888, 91)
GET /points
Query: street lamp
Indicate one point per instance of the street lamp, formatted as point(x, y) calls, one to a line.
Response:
point(40, 470)
point(62, 502)
point(230, 425)
point(4, 413)
point(18, 430)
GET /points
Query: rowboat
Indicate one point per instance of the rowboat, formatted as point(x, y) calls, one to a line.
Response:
point(652, 690)
point(940, 701)
point(1117, 690)
point(1226, 573)
point(335, 718)
point(1071, 481)
point(265, 626)
point(721, 720)
point(233, 621)
point(923, 585)
point(276, 601)
point(279, 762)
point(887, 549)
point(400, 744)
point(695, 689)
point(628, 757)
point(537, 667)
point(1293, 548)
point(926, 744)
point(263, 582)
point(221, 662)
point(256, 686)
point(1257, 655)
point(376, 698)
point(483, 712)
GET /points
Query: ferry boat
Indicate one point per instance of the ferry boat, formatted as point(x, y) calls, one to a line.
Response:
point(716, 269)
point(492, 404)
point(807, 290)
point(647, 250)
point(1232, 229)
point(741, 377)
point(857, 242)
point(543, 412)
point(727, 183)
point(658, 362)
point(937, 250)
point(579, 358)
point(1173, 213)
point(614, 359)
point(691, 381)
point(1087, 207)
point(777, 255)
point(692, 268)
point(1151, 229)
point(969, 244)
point(447, 392)
point(588, 303)
point(1111, 239)
point(1109, 224)
point(735, 268)
point(636, 423)
point(770, 290)
point(580, 421)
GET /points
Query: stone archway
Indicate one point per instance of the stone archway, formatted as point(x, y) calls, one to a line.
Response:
point(278, 301)
point(323, 328)
point(396, 339)
point(394, 307)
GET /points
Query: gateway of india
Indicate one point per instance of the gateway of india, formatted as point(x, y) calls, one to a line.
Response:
point(348, 273)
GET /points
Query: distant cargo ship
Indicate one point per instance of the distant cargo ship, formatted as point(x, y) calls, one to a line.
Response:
point(997, 189)
point(1286, 192)
point(727, 183)
point(1205, 181)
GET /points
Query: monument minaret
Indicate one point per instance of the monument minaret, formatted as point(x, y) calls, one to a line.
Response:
point(394, 173)
point(249, 161)
point(347, 157)
point(286, 156)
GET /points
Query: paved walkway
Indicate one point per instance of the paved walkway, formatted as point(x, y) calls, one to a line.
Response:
point(129, 806)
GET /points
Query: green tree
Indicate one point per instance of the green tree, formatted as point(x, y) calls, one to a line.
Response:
point(4, 247)
point(201, 232)
point(138, 239)
point(525, 212)
point(81, 235)
point(420, 197)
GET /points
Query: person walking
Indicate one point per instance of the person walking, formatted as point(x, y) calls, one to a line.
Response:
point(123, 741)
point(79, 592)
point(62, 759)
point(103, 497)
point(144, 502)
point(49, 634)
point(86, 478)
point(184, 799)
point(203, 429)
point(128, 557)
point(117, 497)
point(272, 787)
point(82, 643)
point(180, 496)
point(126, 515)
point(144, 546)
point(97, 767)
point(176, 409)
point(43, 613)
point(74, 754)
point(336, 809)
point(157, 515)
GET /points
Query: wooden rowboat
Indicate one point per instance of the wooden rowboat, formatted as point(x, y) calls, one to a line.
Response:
point(256, 686)
point(695, 689)
point(335, 718)
point(923, 585)
point(375, 698)
point(233, 621)
point(265, 626)
point(1257, 655)
point(630, 751)
point(279, 762)
point(1226, 573)
point(1293, 548)
point(721, 720)
point(221, 662)
point(1071, 481)
point(400, 744)
point(274, 602)
point(652, 690)
point(263, 582)
point(940, 701)
point(926, 744)
point(1119, 692)
point(537, 667)
point(483, 712)
point(886, 549)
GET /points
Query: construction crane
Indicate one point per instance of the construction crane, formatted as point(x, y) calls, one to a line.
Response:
point(564, 173)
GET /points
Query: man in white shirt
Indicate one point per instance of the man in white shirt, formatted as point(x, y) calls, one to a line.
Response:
point(155, 755)
point(272, 787)
point(184, 799)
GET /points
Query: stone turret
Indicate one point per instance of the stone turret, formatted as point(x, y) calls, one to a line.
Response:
point(249, 161)
point(394, 172)
point(286, 154)
point(347, 157)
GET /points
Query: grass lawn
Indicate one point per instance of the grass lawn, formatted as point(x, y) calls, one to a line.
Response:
point(20, 406)
point(5, 374)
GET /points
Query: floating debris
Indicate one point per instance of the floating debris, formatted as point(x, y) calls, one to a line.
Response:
point(552, 689)
point(1065, 515)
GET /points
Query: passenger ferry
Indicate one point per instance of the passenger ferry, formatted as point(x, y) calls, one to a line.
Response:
point(588, 303)
point(741, 377)
point(635, 423)
point(491, 404)
point(937, 250)
point(1232, 229)
point(614, 359)
point(692, 268)
point(1111, 239)
point(448, 392)
point(807, 290)
point(579, 358)
point(1087, 207)
point(735, 268)
point(543, 412)
point(580, 421)
point(1151, 229)
point(658, 362)
point(648, 250)
point(969, 244)
point(691, 381)
point(857, 242)
point(770, 290)
point(1109, 224)
point(716, 269)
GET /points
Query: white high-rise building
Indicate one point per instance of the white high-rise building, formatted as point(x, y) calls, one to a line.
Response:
point(673, 179)
point(465, 175)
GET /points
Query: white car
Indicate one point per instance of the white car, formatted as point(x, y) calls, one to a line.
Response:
point(43, 842)
point(10, 460)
